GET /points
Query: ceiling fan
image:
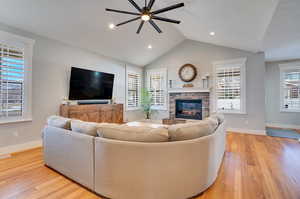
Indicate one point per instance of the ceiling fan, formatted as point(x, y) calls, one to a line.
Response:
point(145, 14)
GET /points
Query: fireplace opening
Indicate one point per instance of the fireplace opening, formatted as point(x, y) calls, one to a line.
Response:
point(189, 109)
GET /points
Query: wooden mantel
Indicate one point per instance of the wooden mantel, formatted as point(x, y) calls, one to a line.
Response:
point(188, 90)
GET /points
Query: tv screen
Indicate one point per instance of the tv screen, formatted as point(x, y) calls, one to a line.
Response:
point(90, 85)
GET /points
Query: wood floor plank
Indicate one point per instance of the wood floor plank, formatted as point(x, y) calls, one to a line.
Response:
point(254, 167)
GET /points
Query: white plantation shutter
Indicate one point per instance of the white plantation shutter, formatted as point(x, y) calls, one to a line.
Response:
point(157, 80)
point(290, 88)
point(230, 86)
point(133, 89)
point(15, 78)
point(11, 81)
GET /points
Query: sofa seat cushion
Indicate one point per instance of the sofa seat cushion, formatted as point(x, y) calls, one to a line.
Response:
point(192, 130)
point(59, 122)
point(134, 133)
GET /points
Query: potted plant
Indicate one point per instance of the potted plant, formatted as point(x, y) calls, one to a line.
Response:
point(146, 102)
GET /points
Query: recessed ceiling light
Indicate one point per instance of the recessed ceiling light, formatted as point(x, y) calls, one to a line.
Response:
point(149, 46)
point(112, 26)
point(212, 33)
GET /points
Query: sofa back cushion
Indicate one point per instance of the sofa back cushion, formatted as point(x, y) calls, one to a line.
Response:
point(134, 133)
point(59, 122)
point(192, 130)
point(88, 128)
point(213, 122)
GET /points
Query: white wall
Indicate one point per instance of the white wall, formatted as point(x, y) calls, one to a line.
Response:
point(202, 55)
point(273, 115)
point(52, 61)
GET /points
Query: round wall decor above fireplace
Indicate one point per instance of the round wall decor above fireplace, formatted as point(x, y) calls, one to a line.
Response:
point(187, 72)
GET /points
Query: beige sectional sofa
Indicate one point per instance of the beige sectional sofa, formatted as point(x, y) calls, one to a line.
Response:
point(142, 169)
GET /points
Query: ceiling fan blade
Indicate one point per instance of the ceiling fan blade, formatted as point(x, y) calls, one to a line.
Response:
point(151, 4)
point(135, 5)
point(140, 27)
point(166, 19)
point(125, 22)
point(121, 11)
point(155, 26)
point(168, 8)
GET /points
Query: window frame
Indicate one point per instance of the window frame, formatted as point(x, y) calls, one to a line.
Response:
point(27, 44)
point(282, 69)
point(139, 90)
point(164, 73)
point(226, 63)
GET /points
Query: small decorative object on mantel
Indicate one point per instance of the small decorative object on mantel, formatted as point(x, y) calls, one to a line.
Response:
point(188, 85)
point(187, 72)
point(170, 83)
point(205, 81)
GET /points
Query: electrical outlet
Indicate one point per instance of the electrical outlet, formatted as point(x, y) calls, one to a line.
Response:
point(16, 133)
point(246, 122)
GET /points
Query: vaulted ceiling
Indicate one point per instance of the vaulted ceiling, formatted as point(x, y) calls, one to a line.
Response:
point(257, 25)
point(282, 39)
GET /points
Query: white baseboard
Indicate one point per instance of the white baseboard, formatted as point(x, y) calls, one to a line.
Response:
point(288, 126)
point(247, 131)
point(5, 156)
point(5, 151)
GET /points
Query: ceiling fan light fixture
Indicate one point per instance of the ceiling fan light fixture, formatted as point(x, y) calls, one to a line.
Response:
point(146, 14)
point(146, 17)
point(112, 26)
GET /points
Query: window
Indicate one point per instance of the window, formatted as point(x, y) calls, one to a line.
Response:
point(230, 88)
point(157, 86)
point(290, 87)
point(133, 90)
point(15, 78)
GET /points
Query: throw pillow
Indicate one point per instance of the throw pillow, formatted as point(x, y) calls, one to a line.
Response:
point(59, 122)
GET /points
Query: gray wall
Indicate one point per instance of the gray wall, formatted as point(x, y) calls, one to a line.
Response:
point(202, 55)
point(273, 114)
point(52, 61)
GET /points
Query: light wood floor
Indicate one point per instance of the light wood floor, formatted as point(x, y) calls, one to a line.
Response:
point(254, 167)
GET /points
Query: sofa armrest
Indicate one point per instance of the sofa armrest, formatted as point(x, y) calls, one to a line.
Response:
point(70, 153)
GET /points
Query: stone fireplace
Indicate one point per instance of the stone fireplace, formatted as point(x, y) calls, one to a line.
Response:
point(189, 105)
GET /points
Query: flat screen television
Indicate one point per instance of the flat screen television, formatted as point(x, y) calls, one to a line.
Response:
point(90, 85)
